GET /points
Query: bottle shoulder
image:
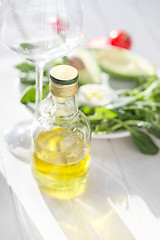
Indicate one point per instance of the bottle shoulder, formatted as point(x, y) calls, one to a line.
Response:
point(50, 119)
point(64, 115)
point(77, 123)
point(50, 111)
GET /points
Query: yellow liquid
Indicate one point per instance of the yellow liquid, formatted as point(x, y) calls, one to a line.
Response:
point(60, 160)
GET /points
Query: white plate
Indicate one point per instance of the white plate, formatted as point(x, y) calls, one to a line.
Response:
point(115, 84)
point(119, 134)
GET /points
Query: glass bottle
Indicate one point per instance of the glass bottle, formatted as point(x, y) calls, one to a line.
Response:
point(61, 136)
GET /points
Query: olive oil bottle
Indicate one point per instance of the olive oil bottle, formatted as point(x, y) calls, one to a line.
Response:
point(61, 136)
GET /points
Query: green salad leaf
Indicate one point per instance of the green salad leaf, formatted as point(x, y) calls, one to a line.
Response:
point(29, 78)
point(28, 46)
point(102, 113)
point(30, 92)
point(143, 142)
point(25, 67)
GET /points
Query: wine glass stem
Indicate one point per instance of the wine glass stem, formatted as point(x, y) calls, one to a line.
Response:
point(39, 85)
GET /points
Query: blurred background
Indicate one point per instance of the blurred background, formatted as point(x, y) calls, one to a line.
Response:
point(140, 18)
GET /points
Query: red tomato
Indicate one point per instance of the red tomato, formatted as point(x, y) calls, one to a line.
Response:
point(97, 42)
point(120, 38)
point(58, 25)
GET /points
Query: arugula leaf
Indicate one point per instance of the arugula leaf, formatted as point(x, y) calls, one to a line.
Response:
point(102, 113)
point(27, 46)
point(45, 91)
point(154, 130)
point(29, 95)
point(150, 127)
point(29, 68)
point(30, 79)
point(25, 67)
point(143, 142)
point(87, 110)
point(30, 92)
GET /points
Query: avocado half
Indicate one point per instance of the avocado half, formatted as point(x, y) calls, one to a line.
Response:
point(122, 64)
point(86, 63)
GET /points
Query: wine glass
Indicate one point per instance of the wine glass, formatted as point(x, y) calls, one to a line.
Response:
point(38, 30)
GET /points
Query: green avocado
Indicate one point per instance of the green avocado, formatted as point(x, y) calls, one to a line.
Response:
point(85, 62)
point(123, 64)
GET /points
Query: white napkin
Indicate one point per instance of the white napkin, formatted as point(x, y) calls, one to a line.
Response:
point(19, 177)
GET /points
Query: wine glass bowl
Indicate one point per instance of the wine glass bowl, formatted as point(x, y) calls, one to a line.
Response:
point(42, 32)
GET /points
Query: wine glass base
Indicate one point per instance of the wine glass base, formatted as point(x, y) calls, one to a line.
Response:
point(18, 139)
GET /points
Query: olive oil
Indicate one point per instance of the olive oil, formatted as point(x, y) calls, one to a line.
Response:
point(60, 160)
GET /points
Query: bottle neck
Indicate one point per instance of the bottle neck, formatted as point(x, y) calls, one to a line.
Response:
point(65, 107)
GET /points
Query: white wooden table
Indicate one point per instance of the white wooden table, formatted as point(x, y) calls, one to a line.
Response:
point(124, 182)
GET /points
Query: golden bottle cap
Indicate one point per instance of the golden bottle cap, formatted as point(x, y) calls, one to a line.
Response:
point(63, 81)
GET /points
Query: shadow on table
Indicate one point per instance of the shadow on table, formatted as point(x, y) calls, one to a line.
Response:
point(112, 207)
point(91, 214)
